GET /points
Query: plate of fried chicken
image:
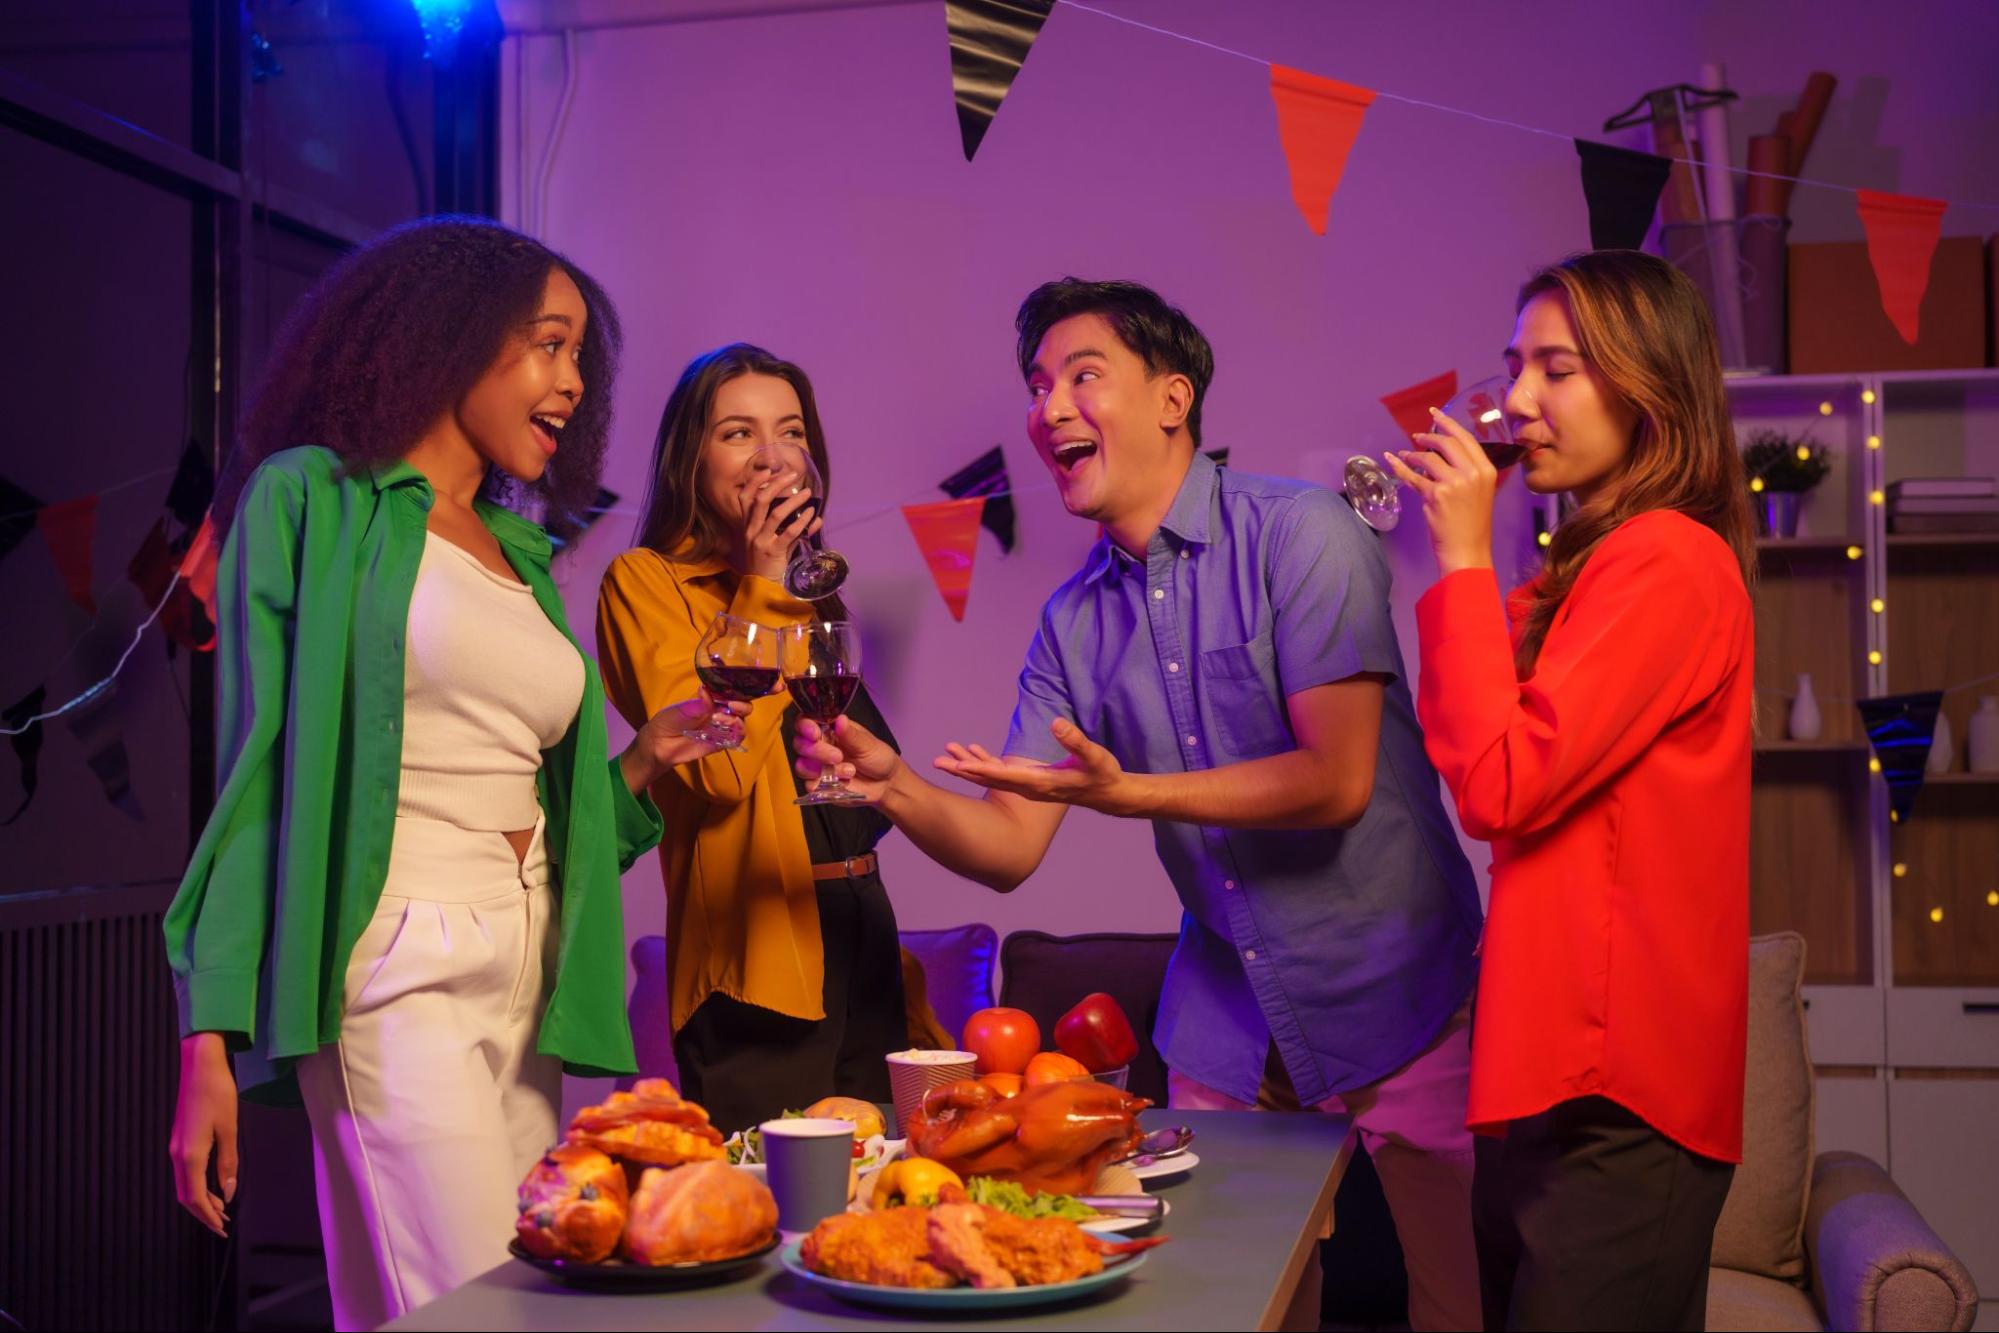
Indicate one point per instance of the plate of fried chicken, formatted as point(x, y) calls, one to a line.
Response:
point(958, 1255)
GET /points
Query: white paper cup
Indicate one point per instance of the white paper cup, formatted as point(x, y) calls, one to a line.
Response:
point(806, 1165)
point(913, 1073)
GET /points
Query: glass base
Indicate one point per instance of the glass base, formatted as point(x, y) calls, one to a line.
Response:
point(841, 795)
point(815, 574)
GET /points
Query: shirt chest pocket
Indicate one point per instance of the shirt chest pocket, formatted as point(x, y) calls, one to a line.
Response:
point(1243, 702)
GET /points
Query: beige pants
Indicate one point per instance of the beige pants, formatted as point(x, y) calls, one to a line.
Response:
point(433, 1104)
point(1413, 1123)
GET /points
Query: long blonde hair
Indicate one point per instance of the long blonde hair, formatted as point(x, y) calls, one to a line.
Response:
point(1647, 331)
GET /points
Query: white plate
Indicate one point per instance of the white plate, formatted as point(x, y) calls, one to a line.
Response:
point(1179, 1164)
point(1105, 1226)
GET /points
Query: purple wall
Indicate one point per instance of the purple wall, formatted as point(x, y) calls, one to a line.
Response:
point(798, 181)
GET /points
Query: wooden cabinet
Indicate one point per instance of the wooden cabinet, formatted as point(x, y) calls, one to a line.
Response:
point(1901, 918)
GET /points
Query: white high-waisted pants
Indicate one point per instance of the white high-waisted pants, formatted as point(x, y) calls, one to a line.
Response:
point(433, 1105)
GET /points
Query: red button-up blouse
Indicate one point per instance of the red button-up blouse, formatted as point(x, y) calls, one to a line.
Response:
point(1613, 784)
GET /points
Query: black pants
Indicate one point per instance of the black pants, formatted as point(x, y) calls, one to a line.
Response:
point(1588, 1218)
point(747, 1064)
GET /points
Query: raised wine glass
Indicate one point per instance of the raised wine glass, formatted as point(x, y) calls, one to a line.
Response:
point(822, 668)
point(1480, 408)
point(736, 661)
point(813, 572)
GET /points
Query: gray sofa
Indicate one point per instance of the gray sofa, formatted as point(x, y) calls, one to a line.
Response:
point(1816, 1240)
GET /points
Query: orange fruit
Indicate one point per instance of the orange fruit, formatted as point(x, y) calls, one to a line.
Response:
point(1053, 1067)
point(1006, 1085)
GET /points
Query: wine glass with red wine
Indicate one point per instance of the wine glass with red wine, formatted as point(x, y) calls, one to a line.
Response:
point(1480, 408)
point(736, 661)
point(822, 669)
point(813, 572)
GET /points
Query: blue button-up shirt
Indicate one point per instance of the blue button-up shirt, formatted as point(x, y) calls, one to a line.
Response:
point(1350, 949)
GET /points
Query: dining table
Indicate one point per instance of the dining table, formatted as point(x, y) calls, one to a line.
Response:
point(1243, 1221)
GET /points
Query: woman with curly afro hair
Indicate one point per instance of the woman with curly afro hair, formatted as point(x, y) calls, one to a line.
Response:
point(405, 905)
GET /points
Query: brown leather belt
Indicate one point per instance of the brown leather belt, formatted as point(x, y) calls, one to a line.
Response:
point(854, 867)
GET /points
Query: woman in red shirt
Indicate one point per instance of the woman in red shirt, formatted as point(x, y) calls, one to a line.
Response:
point(1598, 735)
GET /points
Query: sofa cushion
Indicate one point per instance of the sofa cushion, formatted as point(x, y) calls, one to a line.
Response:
point(1762, 1225)
point(957, 971)
point(1046, 974)
point(1755, 1304)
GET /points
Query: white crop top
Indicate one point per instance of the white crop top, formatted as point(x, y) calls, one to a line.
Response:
point(488, 684)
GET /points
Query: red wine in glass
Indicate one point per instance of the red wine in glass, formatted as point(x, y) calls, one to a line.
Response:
point(821, 662)
point(822, 698)
point(737, 684)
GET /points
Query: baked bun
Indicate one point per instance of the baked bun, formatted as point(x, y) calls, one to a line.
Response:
point(698, 1213)
point(573, 1205)
point(866, 1117)
point(652, 1125)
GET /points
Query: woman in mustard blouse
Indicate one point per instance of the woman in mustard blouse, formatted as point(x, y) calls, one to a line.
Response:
point(782, 958)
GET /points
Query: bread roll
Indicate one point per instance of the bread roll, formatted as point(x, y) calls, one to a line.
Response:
point(573, 1205)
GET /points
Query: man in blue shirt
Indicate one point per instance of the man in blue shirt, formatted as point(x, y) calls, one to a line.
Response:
point(1225, 665)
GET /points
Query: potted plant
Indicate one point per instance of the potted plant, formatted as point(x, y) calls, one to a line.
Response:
point(1781, 472)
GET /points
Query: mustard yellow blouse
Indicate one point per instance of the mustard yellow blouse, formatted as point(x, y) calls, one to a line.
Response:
point(742, 914)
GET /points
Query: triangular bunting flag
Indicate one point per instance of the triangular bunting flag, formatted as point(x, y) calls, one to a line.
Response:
point(99, 727)
point(69, 529)
point(1622, 189)
point(1411, 406)
point(150, 569)
point(1902, 233)
point(986, 475)
point(1901, 727)
point(1317, 121)
point(27, 746)
point(947, 533)
point(197, 569)
point(990, 40)
point(18, 511)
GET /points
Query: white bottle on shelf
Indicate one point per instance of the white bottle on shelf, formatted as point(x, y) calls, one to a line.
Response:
point(1805, 721)
point(1984, 735)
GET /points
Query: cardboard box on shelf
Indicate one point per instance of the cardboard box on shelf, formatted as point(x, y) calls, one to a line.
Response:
point(1837, 323)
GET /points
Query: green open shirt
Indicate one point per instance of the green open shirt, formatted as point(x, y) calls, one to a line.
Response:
point(313, 598)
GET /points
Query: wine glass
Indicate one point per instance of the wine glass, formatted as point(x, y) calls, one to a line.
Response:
point(821, 661)
point(1480, 408)
point(736, 660)
point(813, 572)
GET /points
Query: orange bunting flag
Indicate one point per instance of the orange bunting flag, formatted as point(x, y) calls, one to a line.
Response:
point(1902, 233)
point(1317, 122)
point(947, 533)
point(1411, 406)
point(197, 568)
point(70, 528)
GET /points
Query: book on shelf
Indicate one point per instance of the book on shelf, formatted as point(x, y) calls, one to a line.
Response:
point(1944, 523)
point(1937, 488)
point(1923, 504)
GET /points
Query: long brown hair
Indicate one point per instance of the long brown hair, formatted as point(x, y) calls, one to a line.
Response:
point(675, 521)
point(1646, 330)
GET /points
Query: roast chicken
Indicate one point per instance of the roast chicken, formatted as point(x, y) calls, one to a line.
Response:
point(1053, 1138)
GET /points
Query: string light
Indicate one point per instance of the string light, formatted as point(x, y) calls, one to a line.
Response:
point(1876, 498)
point(1874, 657)
point(1936, 915)
point(1853, 553)
point(1867, 396)
point(1894, 816)
point(1992, 898)
point(1825, 409)
point(1804, 453)
point(1900, 870)
point(1545, 538)
point(1874, 442)
point(1756, 484)
point(1873, 765)
point(1877, 606)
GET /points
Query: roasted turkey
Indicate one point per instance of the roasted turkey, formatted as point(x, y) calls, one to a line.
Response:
point(1053, 1138)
